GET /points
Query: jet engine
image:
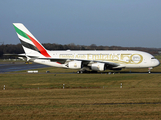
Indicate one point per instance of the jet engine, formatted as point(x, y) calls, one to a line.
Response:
point(75, 65)
point(98, 66)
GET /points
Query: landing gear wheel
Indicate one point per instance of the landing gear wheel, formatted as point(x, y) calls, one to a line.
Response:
point(79, 72)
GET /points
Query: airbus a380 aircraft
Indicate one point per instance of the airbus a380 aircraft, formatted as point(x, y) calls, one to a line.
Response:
point(83, 60)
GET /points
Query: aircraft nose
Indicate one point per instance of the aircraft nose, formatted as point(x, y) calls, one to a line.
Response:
point(157, 63)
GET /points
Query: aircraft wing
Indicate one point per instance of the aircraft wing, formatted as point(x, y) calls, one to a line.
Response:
point(63, 61)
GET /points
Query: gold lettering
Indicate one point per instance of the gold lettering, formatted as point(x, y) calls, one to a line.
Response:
point(115, 57)
point(89, 57)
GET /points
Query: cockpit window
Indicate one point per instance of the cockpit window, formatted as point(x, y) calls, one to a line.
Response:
point(153, 58)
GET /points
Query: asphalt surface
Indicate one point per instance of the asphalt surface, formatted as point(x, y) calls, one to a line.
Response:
point(10, 67)
point(18, 66)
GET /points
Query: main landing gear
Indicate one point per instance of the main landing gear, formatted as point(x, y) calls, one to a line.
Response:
point(79, 72)
point(85, 71)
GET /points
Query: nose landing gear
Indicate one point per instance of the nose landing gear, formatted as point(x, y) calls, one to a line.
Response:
point(149, 70)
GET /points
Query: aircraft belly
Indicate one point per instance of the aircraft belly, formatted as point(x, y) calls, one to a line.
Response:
point(136, 66)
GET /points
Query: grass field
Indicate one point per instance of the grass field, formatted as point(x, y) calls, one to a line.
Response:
point(85, 96)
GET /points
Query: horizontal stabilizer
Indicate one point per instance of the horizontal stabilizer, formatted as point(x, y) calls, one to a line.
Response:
point(15, 55)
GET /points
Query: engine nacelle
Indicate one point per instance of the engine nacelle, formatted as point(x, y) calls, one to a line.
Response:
point(98, 66)
point(75, 65)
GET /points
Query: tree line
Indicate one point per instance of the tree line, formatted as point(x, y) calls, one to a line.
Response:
point(17, 49)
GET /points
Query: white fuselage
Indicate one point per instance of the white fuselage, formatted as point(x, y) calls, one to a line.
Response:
point(125, 58)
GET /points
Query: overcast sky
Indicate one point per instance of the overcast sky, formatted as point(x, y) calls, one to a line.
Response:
point(127, 23)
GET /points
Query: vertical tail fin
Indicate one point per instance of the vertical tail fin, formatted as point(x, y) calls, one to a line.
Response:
point(29, 43)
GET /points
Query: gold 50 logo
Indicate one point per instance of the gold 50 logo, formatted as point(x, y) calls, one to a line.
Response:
point(131, 59)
